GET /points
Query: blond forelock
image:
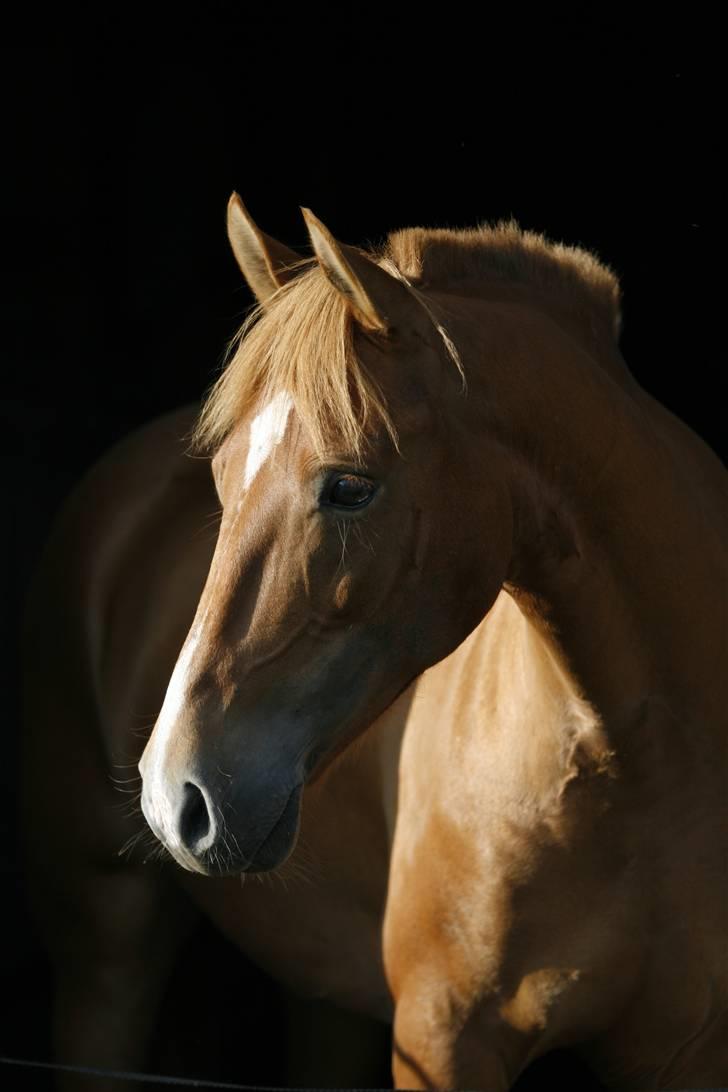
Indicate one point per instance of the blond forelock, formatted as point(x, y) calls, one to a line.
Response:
point(302, 341)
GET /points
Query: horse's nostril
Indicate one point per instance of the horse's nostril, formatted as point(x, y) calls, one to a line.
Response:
point(195, 826)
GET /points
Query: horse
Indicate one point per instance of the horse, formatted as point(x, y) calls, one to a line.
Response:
point(452, 664)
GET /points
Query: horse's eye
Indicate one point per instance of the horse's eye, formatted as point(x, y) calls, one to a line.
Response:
point(350, 491)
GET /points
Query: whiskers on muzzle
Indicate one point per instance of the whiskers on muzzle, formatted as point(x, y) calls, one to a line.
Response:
point(223, 858)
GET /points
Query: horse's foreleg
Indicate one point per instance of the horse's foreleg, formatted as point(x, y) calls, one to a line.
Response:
point(113, 946)
point(439, 1045)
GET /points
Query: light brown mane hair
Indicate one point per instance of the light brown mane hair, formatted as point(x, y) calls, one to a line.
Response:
point(303, 340)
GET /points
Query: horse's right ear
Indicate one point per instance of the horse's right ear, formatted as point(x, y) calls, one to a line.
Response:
point(265, 263)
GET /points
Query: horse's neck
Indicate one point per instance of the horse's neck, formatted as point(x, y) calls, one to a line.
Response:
point(618, 555)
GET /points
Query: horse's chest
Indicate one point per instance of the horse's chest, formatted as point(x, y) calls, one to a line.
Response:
point(318, 942)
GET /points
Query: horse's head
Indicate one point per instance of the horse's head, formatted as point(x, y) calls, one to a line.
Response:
point(351, 554)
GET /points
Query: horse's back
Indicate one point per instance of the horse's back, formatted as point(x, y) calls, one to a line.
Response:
point(108, 609)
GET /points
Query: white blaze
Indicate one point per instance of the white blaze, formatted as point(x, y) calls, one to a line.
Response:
point(176, 690)
point(173, 703)
point(266, 432)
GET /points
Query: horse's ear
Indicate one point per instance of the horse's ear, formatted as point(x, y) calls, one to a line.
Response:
point(265, 263)
point(377, 299)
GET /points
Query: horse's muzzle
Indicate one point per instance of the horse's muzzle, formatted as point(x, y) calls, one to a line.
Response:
point(214, 838)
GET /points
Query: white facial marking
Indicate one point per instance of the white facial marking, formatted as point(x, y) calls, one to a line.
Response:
point(174, 700)
point(266, 432)
point(176, 690)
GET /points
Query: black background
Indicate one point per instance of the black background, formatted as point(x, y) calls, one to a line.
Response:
point(126, 129)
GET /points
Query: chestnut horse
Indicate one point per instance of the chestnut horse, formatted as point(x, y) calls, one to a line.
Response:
point(458, 651)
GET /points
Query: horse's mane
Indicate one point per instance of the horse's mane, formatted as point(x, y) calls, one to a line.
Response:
point(438, 257)
point(303, 340)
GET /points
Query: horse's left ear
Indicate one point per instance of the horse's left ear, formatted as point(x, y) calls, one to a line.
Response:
point(265, 263)
point(379, 300)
